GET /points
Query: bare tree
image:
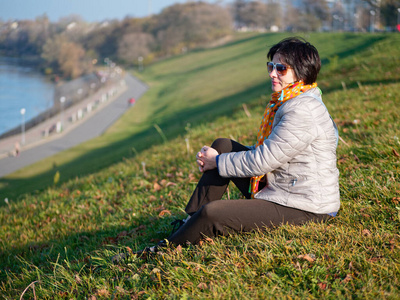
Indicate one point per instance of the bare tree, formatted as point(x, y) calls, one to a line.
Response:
point(66, 57)
point(134, 45)
point(190, 24)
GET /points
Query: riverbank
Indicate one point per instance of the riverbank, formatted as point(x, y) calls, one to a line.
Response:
point(44, 127)
point(95, 121)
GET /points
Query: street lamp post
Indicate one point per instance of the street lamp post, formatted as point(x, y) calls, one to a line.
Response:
point(140, 61)
point(23, 110)
point(62, 100)
point(372, 12)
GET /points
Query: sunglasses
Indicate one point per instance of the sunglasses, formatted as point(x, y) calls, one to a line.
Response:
point(281, 69)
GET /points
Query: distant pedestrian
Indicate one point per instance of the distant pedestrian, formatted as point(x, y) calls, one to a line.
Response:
point(131, 101)
point(17, 149)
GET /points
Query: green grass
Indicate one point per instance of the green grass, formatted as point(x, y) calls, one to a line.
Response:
point(124, 188)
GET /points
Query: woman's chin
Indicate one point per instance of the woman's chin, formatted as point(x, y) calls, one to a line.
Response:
point(276, 89)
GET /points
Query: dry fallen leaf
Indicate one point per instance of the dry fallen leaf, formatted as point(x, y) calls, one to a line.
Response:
point(202, 286)
point(209, 240)
point(103, 292)
point(122, 234)
point(306, 257)
point(366, 232)
point(78, 279)
point(164, 212)
point(298, 267)
point(156, 186)
point(322, 286)
point(348, 278)
point(356, 158)
point(129, 249)
point(395, 153)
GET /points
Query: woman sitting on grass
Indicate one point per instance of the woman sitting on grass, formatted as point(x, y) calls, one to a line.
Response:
point(288, 177)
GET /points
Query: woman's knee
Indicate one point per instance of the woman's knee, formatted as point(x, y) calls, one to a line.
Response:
point(211, 211)
point(222, 145)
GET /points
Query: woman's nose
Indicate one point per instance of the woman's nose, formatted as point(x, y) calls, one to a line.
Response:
point(273, 73)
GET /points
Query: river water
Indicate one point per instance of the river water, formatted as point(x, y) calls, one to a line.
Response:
point(21, 87)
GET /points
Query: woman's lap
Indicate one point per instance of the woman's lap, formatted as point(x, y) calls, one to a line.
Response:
point(222, 217)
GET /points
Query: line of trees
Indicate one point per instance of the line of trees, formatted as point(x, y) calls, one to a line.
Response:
point(71, 47)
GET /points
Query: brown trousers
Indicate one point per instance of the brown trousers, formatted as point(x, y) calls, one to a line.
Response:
point(211, 216)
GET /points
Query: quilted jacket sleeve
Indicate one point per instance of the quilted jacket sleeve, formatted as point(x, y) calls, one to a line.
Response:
point(293, 131)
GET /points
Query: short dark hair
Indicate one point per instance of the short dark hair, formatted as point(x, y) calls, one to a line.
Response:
point(300, 55)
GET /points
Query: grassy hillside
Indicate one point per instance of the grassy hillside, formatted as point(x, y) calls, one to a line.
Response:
point(62, 237)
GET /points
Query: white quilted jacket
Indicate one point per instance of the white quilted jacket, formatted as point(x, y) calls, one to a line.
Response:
point(299, 158)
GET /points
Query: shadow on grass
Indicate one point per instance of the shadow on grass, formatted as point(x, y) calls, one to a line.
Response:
point(81, 248)
point(366, 45)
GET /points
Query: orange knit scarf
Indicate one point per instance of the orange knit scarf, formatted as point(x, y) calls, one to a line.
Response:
point(277, 99)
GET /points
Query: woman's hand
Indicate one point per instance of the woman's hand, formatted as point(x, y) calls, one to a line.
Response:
point(206, 158)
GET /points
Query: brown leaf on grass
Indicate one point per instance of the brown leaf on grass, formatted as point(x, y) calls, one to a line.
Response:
point(139, 228)
point(375, 258)
point(170, 175)
point(152, 198)
point(322, 286)
point(179, 249)
point(392, 244)
point(209, 240)
point(109, 240)
point(103, 293)
point(169, 183)
point(187, 284)
point(192, 177)
point(307, 257)
point(164, 212)
point(297, 266)
point(78, 279)
point(159, 208)
point(202, 286)
point(129, 250)
point(156, 187)
point(163, 182)
point(347, 278)
point(356, 158)
point(93, 297)
point(395, 153)
point(122, 234)
point(366, 232)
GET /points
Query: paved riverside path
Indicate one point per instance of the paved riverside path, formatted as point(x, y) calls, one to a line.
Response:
point(91, 126)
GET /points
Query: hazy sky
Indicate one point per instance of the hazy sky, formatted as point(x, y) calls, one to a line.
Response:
point(89, 10)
